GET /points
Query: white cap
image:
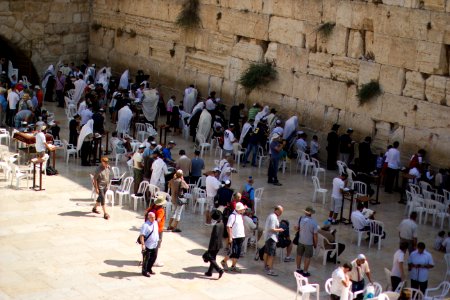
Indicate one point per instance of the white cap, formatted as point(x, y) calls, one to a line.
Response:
point(227, 182)
point(239, 206)
point(361, 256)
point(216, 170)
point(300, 132)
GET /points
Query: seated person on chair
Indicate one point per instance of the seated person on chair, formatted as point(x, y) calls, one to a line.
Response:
point(331, 237)
point(284, 240)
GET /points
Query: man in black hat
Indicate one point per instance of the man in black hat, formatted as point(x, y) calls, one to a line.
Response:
point(235, 117)
point(346, 146)
point(333, 147)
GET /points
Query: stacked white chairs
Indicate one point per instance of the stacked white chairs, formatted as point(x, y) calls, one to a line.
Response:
point(69, 150)
point(140, 195)
point(322, 243)
point(429, 209)
point(306, 288)
point(124, 189)
point(376, 230)
point(317, 169)
point(318, 190)
point(305, 163)
point(439, 292)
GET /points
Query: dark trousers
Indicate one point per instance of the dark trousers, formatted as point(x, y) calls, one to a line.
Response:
point(84, 152)
point(11, 113)
point(391, 176)
point(334, 297)
point(395, 281)
point(273, 170)
point(250, 148)
point(193, 179)
point(60, 97)
point(331, 160)
point(422, 286)
point(357, 286)
point(138, 177)
point(148, 260)
point(212, 263)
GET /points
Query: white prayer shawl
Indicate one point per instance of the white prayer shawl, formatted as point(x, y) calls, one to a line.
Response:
point(11, 72)
point(123, 120)
point(123, 83)
point(271, 121)
point(103, 78)
point(150, 104)
point(190, 98)
point(159, 170)
point(90, 71)
point(204, 125)
point(290, 126)
point(87, 129)
point(225, 174)
point(261, 115)
point(82, 107)
point(50, 72)
point(245, 129)
point(80, 85)
point(278, 130)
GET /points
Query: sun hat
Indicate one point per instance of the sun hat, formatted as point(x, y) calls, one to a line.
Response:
point(239, 206)
point(160, 200)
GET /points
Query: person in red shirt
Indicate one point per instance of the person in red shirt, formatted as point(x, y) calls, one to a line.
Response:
point(158, 209)
point(39, 95)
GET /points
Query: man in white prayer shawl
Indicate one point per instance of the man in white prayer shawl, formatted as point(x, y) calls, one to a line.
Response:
point(124, 80)
point(159, 170)
point(102, 77)
point(245, 129)
point(80, 86)
point(123, 120)
point(150, 105)
point(89, 74)
point(259, 116)
point(204, 126)
point(190, 98)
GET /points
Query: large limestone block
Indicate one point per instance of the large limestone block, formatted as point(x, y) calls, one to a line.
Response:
point(310, 35)
point(288, 57)
point(418, 21)
point(279, 8)
point(437, 5)
point(283, 83)
point(246, 24)
point(287, 31)
point(355, 44)
point(402, 54)
point(235, 67)
point(336, 43)
point(329, 11)
point(392, 79)
point(363, 15)
point(447, 92)
point(440, 31)
point(432, 116)
point(206, 63)
point(221, 44)
point(319, 64)
point(432, 58)
point(380, 47)
point(245, 5)
point(371, 109)
point(398, 109)
point(413, 3)
point(415, 85)
point(332, 93)
point(435, 89)
point(368, 71)
point(308, 10)
point(306, 87)
point(209, 15)
point(345, 69)
point(59, 17)
point(394, 21)
point(344, 13)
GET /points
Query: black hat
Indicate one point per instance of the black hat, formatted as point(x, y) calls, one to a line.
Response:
point(335, 126)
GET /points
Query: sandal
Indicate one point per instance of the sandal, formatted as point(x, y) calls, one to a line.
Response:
point(106, 216)
point(95, 211)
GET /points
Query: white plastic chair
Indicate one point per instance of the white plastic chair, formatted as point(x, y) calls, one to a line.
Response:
point(200, 201)
point(446, 195)
point(238, 152)
point(415, 294)
point(377, 287)
point(110, 197)
point(441, 213)
point(447, 260)
point(69, 150)
point(431, 208)
point(376, 230)
point(360, 189)
point(414, 188)
point(359, 234)
point(141, 132)
point(323, 241)
point(317, 169)
point(318, 189)
point(439, 292)
point(425, 186)
point(189, 195)
point(4, 135)
point(140, 195)
point(201, 182)
point(124, 190)
point(328, 284)
point(258, 198)
point(306, 288)
point(20, 175)
point(153, 190)
point(150, 130)
point(204, 146)
point(387, 275)
point(116, 172)
point(351, 176)
point(342, 167)
point(261, 157)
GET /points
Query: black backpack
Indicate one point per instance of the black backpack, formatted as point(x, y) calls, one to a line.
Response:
point(51, 171)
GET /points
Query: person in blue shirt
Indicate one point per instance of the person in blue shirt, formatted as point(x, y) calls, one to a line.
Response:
point(197, 165)
point(149, 150)
point(3, 105)
point(275, 146)
point(249, 192)
point(419, 262)
point(167, 154)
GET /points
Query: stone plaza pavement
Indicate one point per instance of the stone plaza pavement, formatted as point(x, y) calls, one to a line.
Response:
point(53, 247)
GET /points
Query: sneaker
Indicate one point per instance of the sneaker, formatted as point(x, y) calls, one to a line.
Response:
point(299, 271)
point(176, 230)
point(288, 259)
point(146, 274)
point(235, 269)
point(106, 217)
point(224, 265)
point(306, 274)
point(266, 268)
point(277, 184)
point(271, 273)
point(220, 273)
point(207, 274)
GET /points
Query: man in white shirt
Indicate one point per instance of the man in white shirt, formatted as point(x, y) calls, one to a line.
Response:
point(159, 170)
point(301, 141)
point(337, 196)
point(359, 221)
point(13, 99)
point(138, 167)
point(340, 282)
point(393, 165)
point(397, 271)
point(212, 186)
point(407, 231)
point(229, 139)
point(236, 236)
point(415, 175)
point(360, 267)
point(271, 230)
point(148, 239)
point(41, 142)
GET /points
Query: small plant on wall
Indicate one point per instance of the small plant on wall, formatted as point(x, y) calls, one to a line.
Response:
point(96, 26)
point(368, 91)
point(326, 29)
point(189, 17)
point(257, 74)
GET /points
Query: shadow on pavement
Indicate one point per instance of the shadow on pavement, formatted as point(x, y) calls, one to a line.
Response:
point(77, 213)
point(81, 200)
point(197, 252)
point(182, 275)
point(120, 274)
point(121, 263)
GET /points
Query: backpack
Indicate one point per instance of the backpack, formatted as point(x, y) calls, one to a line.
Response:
point(51, 171)
point(245, 197)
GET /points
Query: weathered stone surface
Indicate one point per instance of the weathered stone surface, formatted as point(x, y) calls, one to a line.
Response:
point(398, 109)
point(283, 83)
point(447, 92)
point(439, 32)
point(336, 43)
point(248, 51)
point(245, 24)
point(235, 67)
point(371, 109)
point(244, 5)
point(415, 85)
point(355, 44)
point(392, 79)
point(345, 69)
point(287, 31)
point(402, 54)
point(319, 64)
point(363, 15)
point(332, 93)
point(308, 10)
point(435, 89)
point(368, 71)
point(432, 116)
point(288, 57)
point(438, 5)
point(306, 87)
point(344, 13)
point(279, 8)
point(431, 58)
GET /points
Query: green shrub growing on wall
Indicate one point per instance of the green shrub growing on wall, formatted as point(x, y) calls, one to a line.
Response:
point(368, 90)
point(326, 29)
point(257, 74)
point(189, 16)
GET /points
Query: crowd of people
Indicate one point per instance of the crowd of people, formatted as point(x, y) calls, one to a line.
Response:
point(230, 212)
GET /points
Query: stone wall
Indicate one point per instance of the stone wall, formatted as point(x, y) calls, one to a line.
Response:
point(403, 44)
point(47, 31)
